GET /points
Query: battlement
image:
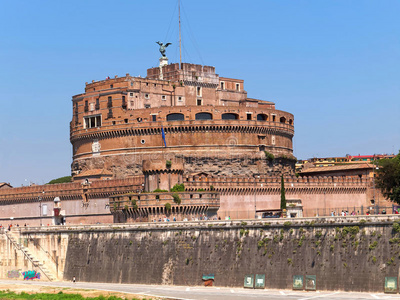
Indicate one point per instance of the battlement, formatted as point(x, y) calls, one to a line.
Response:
point(69, 191)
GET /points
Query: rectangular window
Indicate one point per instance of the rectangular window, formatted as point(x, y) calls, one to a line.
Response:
point(199, 102)
point(110, 113)
point(154, 118)
point(248, 117)
point(163, 97)
point(111, 86)
point(273, 118)
point(222, 85)
point(179, 98)
point(109, 103)
point(92, 121)
point(198, 91)
point(86, 108)
point(147, 106)
point(131, 94)
point(123, 102)
point(237, 86)
point(97, 103)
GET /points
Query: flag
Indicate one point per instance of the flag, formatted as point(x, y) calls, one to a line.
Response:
point(163, 136)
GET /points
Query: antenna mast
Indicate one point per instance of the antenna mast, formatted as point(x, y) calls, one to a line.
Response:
point(180, 43)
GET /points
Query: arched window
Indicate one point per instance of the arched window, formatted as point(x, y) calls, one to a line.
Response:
point(203, 116)
point(262, 117)
point(230, 116)
point(282, 120)
point(175, 117)
point(290, 121)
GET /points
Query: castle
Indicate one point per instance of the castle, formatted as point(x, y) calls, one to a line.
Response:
point(136, 138)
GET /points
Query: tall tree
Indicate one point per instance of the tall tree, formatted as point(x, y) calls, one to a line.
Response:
point(388, 180)
point(283, 197)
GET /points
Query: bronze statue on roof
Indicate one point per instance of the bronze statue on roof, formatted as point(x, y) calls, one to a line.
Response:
point(162, 47)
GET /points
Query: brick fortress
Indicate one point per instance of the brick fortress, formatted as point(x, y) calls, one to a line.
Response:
point(228, 150)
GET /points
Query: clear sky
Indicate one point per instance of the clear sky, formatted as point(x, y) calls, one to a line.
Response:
point(334, 64)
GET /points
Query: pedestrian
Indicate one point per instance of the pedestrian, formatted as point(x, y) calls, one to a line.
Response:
point(73, 279)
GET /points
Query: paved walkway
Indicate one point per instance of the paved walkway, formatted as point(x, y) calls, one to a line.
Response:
point(210, 293)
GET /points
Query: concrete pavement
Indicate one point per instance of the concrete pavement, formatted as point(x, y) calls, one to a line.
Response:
point(210, 293)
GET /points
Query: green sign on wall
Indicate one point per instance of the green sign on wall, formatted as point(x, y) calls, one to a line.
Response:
point(249, 281)
point(390, 284)
point(311, 282)
point(260, 281)
point(298, 283)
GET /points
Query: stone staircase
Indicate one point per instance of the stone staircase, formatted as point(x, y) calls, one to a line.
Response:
point(45, 273)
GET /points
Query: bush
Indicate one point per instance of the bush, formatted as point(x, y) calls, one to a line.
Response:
point(178, 188)
point(168, 206)
point(212, 188)
point(177, 198)
point(200, 190)
point(64, 179)
point(269, 156)
point(160, 191)
point(168, 164)
point(134, 205)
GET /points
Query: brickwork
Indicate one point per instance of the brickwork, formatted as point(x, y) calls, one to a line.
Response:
point(117, 123)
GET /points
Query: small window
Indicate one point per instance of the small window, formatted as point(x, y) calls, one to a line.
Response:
point(154, 118)
point(92, 121)
point(237, 86)
point(139, 119)
point(222, 85)
point(111, 86)
point(199, 102)
point(155, 85)
point(290, 122)
point(262, 117)
point(131, 83)
point(163, 97)
point(229, 116)
point(198, 91)
point(273, 118)
point(248, 117)
point(179, 98)
point(131, 94)
point(113, 122)
point(126, 121)
point(282, 120)
point(203, 116)
point(147, 84)
point(97, 103)
point(146, 96)
point(175, 117)
point(142, 141)
point(147, 106)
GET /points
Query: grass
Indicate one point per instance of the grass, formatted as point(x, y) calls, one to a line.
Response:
point(60, 296)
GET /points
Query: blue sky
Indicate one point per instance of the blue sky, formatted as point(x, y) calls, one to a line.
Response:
point(334, 64)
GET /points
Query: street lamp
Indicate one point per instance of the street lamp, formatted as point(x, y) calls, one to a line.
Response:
point(40, 207)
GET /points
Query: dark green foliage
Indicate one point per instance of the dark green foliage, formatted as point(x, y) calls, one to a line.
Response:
point(177, 198)
point(200, 190)
point(168, 206)
point(64, 179)
point(269, 156)
point(212, 188)
point(388, 179)
point(134, 205)
point(168, 164)
point(283, 197)
point(178, 188)
point(396, 227)
point(160, 191)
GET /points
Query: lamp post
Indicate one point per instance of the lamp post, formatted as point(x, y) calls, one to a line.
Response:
point(40, 208)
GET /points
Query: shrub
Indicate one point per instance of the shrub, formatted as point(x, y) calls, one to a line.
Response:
point(269, 156)
point(168, 164)
point(160, 191)
point(178, 188)
point(168, 206)
point(60, 180)
point(177, 198)
point(200, 190)
point(134, 205)
point(373, 245)
point(212, 188)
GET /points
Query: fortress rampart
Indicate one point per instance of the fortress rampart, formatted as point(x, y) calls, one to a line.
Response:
point(348, 254)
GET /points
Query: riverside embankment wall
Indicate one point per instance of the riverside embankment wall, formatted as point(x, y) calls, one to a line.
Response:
point(351, 254)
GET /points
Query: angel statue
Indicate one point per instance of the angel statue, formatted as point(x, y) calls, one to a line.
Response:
point(162, 47)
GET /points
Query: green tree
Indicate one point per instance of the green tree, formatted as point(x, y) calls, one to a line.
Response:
point(283, 197)
point(61, 180)
point(388, 179)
